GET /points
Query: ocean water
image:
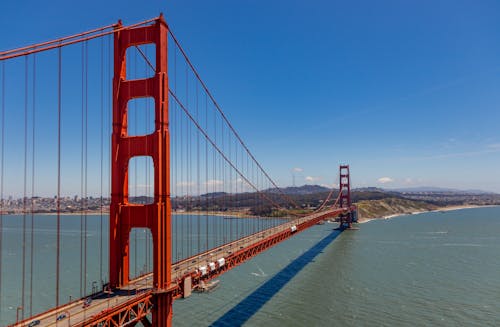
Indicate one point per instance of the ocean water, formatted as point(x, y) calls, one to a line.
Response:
point(432, 269)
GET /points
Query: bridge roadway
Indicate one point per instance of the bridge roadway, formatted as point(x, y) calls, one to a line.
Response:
point(139, 292)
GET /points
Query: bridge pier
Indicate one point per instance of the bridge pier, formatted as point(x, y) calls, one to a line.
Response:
point(162, 309)
point(345, 221)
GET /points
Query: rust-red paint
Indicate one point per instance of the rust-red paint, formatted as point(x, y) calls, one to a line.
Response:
point(156, 216)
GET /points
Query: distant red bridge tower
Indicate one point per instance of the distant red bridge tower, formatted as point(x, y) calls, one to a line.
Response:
point(345, 202)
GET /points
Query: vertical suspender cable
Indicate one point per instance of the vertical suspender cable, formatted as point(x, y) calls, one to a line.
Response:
point(214, 183)
point(186, 164)
point(176, 161)
point(130, 76)
point(188, 187)
point(175, 178)
point(236, 195)
point(101, 156)
point(150, 183)
point(86, 165)
point(231, 188)
point(81, 166)
point(135, 171)
point(184, 177)
point(147, 168)
point(249, 224)
point(110, 108)
point(32, 184)
point(206, 175)
point(1, 176)
point(198, 180)
point(108, 131)
point(191, 178)
point(58, 202)
point(174, 170)
point(180, 225)
point(23, 274)
point(223, 179)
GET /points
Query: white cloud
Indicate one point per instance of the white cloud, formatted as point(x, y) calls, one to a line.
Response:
point(385, 180)
point(297, 170)
point(213, 182)
point(494, 146)
point(312, 178)
point(408, 181)
point(184, 184)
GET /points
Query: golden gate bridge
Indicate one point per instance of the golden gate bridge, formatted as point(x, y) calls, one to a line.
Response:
point(158, 145)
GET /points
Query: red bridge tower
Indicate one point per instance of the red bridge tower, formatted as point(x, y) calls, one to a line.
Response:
point(156, 216)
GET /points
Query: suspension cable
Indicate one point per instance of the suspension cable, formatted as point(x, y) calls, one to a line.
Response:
point(85, 217)
point(23, 274)
point(328, 199)
point(2, 177)
point(33, 184)
point(58, 243)
point(101, 158)
point(68, 40)
point(82, 204)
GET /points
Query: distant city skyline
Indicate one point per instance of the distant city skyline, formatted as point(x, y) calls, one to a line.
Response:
point(405, 93)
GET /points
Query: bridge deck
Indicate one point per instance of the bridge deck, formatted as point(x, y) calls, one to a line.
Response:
point(136, 296)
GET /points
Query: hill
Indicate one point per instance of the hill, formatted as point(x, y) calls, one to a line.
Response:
point(369, 209)
point(373, 202)
point(298, 190)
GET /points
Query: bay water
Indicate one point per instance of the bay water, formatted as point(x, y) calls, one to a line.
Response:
point(430, 269)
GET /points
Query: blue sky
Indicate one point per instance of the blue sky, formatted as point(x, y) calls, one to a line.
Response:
point(406, 92)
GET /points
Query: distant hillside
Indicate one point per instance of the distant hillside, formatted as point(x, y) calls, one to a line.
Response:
point(368, 209)
point(299, 190)
point(213, 194)
point(373, 202)
point(431, 189)
point(370, 189)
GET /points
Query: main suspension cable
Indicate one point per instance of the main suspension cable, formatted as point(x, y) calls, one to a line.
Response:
point(69, 40)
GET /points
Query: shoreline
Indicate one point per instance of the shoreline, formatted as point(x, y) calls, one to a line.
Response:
point(233, 215)
point(442, 209)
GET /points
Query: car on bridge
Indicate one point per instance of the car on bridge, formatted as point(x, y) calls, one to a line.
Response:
point(61, 317)
point(87, 302)
point(34, 323)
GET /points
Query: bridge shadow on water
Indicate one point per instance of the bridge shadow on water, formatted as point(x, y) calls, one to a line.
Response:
point(250, 305)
